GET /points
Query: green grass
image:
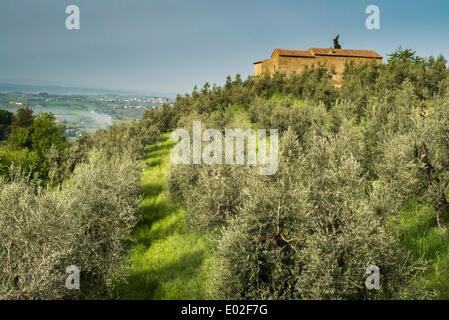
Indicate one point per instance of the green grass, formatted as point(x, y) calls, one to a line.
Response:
point(421, 235)
point(279, 97)
point(241, 117)
point(167, 261)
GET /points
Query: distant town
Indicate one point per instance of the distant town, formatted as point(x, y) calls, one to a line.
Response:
point(83, 114)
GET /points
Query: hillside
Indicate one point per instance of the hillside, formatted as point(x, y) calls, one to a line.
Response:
point(359, 182)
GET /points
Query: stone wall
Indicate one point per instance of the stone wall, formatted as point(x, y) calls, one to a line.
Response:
point(258, 68)
point(289, 65)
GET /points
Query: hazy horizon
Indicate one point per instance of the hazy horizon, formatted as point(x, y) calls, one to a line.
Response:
point(61, 88)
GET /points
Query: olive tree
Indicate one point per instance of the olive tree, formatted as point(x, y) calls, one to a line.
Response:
point(87, 224)
point(309, 232)
point(415, 163)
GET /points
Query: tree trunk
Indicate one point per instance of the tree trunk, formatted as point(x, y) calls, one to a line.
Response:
point(441, 221)
point(421, 153)
point(441, 207)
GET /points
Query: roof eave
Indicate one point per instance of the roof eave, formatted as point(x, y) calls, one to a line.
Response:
point(261, 61)
point(286, 55)
point(346, 56)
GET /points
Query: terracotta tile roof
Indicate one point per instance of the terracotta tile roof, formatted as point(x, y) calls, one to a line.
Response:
point(294, 53)
point(313, 52)
point(345, 53)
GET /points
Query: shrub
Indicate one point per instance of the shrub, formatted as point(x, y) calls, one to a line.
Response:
point(309, 233)
point(216, 198)
point(36, 239)
point(87, 224)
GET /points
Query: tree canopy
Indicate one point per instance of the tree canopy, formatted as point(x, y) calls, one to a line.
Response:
point(336, 43)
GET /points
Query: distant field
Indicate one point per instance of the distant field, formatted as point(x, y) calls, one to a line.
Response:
point(90, 119)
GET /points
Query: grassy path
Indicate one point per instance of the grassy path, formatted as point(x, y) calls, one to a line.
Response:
point(168, 262)
point(422, 237)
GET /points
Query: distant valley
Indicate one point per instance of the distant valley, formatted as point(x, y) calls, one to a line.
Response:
point(82, 114)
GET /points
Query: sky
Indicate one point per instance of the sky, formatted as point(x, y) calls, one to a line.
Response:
point(169, 46)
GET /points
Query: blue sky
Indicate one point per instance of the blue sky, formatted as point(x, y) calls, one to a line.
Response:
point(168, 46)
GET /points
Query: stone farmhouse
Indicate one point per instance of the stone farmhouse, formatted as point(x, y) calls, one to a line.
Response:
point(288, 61)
